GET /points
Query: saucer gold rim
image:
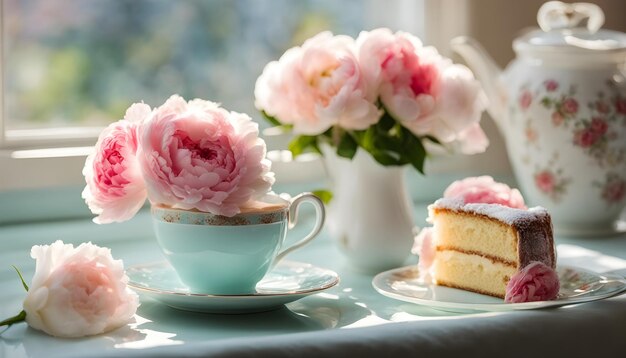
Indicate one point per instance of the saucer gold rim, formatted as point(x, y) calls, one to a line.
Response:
point(335, 281)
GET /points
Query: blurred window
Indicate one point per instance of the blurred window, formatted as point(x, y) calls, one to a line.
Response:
point(81, 63)
point(68, 68)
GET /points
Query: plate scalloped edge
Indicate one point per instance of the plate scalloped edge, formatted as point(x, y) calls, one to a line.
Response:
point(402, 284)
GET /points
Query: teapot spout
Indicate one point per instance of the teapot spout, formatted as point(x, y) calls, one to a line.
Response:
point(487, 72)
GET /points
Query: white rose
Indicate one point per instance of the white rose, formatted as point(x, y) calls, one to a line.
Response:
point(78, 292)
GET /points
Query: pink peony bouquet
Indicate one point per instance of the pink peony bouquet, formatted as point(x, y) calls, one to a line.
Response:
point(383, 92)
point(187, 155)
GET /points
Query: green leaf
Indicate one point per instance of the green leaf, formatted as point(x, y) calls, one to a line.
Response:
point(385, 158)
point(347, 146)
point(21, 278)
point(325, 195)
point(20, 317)
point(301, 144)
point(386, 122)
point(414, 150)
point(433, 139)
point(271, 119)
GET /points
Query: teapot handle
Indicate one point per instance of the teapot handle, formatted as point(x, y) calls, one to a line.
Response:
point(558, 15)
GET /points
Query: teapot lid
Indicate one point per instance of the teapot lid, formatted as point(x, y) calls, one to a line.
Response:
point(560, 30)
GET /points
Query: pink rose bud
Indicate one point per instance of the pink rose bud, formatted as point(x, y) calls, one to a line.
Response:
point(197, 155)
point(535, 282)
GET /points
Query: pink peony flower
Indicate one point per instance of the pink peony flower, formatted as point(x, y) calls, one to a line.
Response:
point(197, 155)
point(545, 181)
point(551, 85)
point(569, 106)
point(115, 190)
point(485, 190)
point(525, 100)
point(317, 86)
point(424, 91)
point(78, 292)
point(535, 282)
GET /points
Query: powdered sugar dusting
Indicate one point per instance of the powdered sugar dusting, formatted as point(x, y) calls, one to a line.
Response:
point(505, 214)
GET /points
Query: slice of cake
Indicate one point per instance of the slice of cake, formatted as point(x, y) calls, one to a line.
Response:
point(480, 247)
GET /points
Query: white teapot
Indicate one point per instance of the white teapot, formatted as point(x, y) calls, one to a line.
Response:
point(561, 107)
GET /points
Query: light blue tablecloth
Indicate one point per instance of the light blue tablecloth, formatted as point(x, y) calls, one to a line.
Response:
point(349, 319)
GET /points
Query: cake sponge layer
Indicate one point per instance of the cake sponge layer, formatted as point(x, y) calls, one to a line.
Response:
point(472, 272)
point(463, 232)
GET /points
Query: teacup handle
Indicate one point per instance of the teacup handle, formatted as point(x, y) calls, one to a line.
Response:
point(320, 216)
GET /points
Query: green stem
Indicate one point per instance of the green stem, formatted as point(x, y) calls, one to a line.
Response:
point(21, 278)
point(21, 317)
point(336, 135)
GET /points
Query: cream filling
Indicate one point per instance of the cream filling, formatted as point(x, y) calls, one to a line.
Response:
point(471, 272)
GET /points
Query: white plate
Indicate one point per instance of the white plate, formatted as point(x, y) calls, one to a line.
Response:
point(577, 286)
point(287, 282)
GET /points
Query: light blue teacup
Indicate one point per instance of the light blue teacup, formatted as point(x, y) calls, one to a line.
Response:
point(214, 254)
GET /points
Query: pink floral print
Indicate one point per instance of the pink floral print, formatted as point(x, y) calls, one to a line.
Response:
point(564, 106)
point(525, 100)
point(551, 85)
point(620, 105)
point(613, 189)
point(551, 181)
point(545, 181)
point(569, 106)
point(595, 131)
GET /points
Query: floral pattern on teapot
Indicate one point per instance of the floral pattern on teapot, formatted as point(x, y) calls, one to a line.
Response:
point(592, 129)
point(551, 181)
point(592, 132)
point(613, 189)
point(560, 105)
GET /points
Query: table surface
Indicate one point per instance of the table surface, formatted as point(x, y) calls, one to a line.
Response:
point(351, 317)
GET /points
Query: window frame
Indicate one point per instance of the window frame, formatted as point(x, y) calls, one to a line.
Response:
point(40, 158)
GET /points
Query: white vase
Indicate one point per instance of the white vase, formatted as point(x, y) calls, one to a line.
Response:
point(370, 215)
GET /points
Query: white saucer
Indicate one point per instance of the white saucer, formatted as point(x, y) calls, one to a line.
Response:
point(288, 281)
point(577, 286)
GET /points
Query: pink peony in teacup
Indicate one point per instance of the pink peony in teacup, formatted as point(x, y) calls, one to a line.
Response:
point(197, 155)
point(184, 155)
point(204, 171)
